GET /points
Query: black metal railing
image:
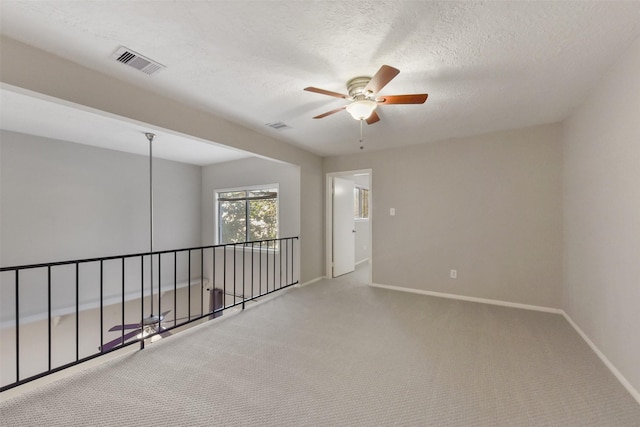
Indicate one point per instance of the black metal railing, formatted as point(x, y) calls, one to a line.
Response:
point(46, 308)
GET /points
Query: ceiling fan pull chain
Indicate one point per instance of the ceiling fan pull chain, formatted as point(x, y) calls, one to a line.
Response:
point(361, 139)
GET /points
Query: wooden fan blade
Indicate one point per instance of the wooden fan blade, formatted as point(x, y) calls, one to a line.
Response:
point(325, 92)
point(418, 98)
point(328, 113)
point(373, 118)
point(384, 75)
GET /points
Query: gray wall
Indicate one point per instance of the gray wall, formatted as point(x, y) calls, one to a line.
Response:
point(64, 201)
point(602, 216)
point(488, 206)
point(244, 173)
point(251, 172)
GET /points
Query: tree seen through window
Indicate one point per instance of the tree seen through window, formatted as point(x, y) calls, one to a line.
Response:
point(247, 215)
point(361, 203)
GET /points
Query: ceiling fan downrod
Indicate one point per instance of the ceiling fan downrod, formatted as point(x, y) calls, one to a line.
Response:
point(150, 138)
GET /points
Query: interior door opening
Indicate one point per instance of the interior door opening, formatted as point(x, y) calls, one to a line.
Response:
point(344, 228)
point(349, 208)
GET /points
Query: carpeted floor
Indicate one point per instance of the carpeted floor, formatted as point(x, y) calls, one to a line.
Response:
point(339, 353)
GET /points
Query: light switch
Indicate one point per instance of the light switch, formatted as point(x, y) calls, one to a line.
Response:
point(392, 211)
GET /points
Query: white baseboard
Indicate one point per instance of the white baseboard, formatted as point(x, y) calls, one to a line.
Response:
point(626, 384)
point(634, 393)
point(471, 299)
point(317, 279)
point(362, 262)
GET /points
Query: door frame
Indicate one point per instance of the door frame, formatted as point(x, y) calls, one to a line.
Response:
point(329, 219)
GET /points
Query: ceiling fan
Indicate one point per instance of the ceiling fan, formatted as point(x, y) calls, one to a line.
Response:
point(362, 95)
point(149, 326)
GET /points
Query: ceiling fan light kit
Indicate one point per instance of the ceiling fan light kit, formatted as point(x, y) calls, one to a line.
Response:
point(361, 109)
point(362, 96)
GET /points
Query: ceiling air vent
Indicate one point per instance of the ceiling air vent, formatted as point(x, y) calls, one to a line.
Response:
point(137, 61)
point(277, 125)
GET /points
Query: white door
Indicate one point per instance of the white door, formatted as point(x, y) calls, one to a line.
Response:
point(344, 246)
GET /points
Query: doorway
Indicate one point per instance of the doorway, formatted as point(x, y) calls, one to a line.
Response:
point(349, 198)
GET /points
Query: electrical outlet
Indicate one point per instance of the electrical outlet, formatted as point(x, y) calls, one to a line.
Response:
point(453, 274)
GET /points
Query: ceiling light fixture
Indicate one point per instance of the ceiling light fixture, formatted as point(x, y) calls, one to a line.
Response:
point(361, 109)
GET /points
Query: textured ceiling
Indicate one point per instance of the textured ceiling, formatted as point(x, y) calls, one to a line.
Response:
point(487, 66)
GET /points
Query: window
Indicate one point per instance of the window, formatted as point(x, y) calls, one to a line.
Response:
point(361, 205)
point(247, 214)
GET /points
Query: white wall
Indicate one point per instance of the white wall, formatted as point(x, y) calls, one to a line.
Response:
point(488, 206)
point(602, 216)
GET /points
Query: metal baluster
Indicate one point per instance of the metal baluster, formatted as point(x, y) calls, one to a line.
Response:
point(159, 289)
point(213, 278)
point(253, 246)
point(101, 308)
point(77, 313)
point(49, 309)
point(175, 288)
point(17, 325)
point(122, 339)
point(280, 260)
point(260, 269)
point(266, 274)
point(189, 285)
point(141, 296)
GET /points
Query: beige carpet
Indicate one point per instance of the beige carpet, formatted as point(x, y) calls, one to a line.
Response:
point(337, 353)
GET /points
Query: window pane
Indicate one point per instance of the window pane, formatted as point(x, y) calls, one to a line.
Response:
point(365, 203)
point(263, 216)
point(361, 203)
point(232, 195)
point(232, 217)
point(263, 193)
point(247, 215)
